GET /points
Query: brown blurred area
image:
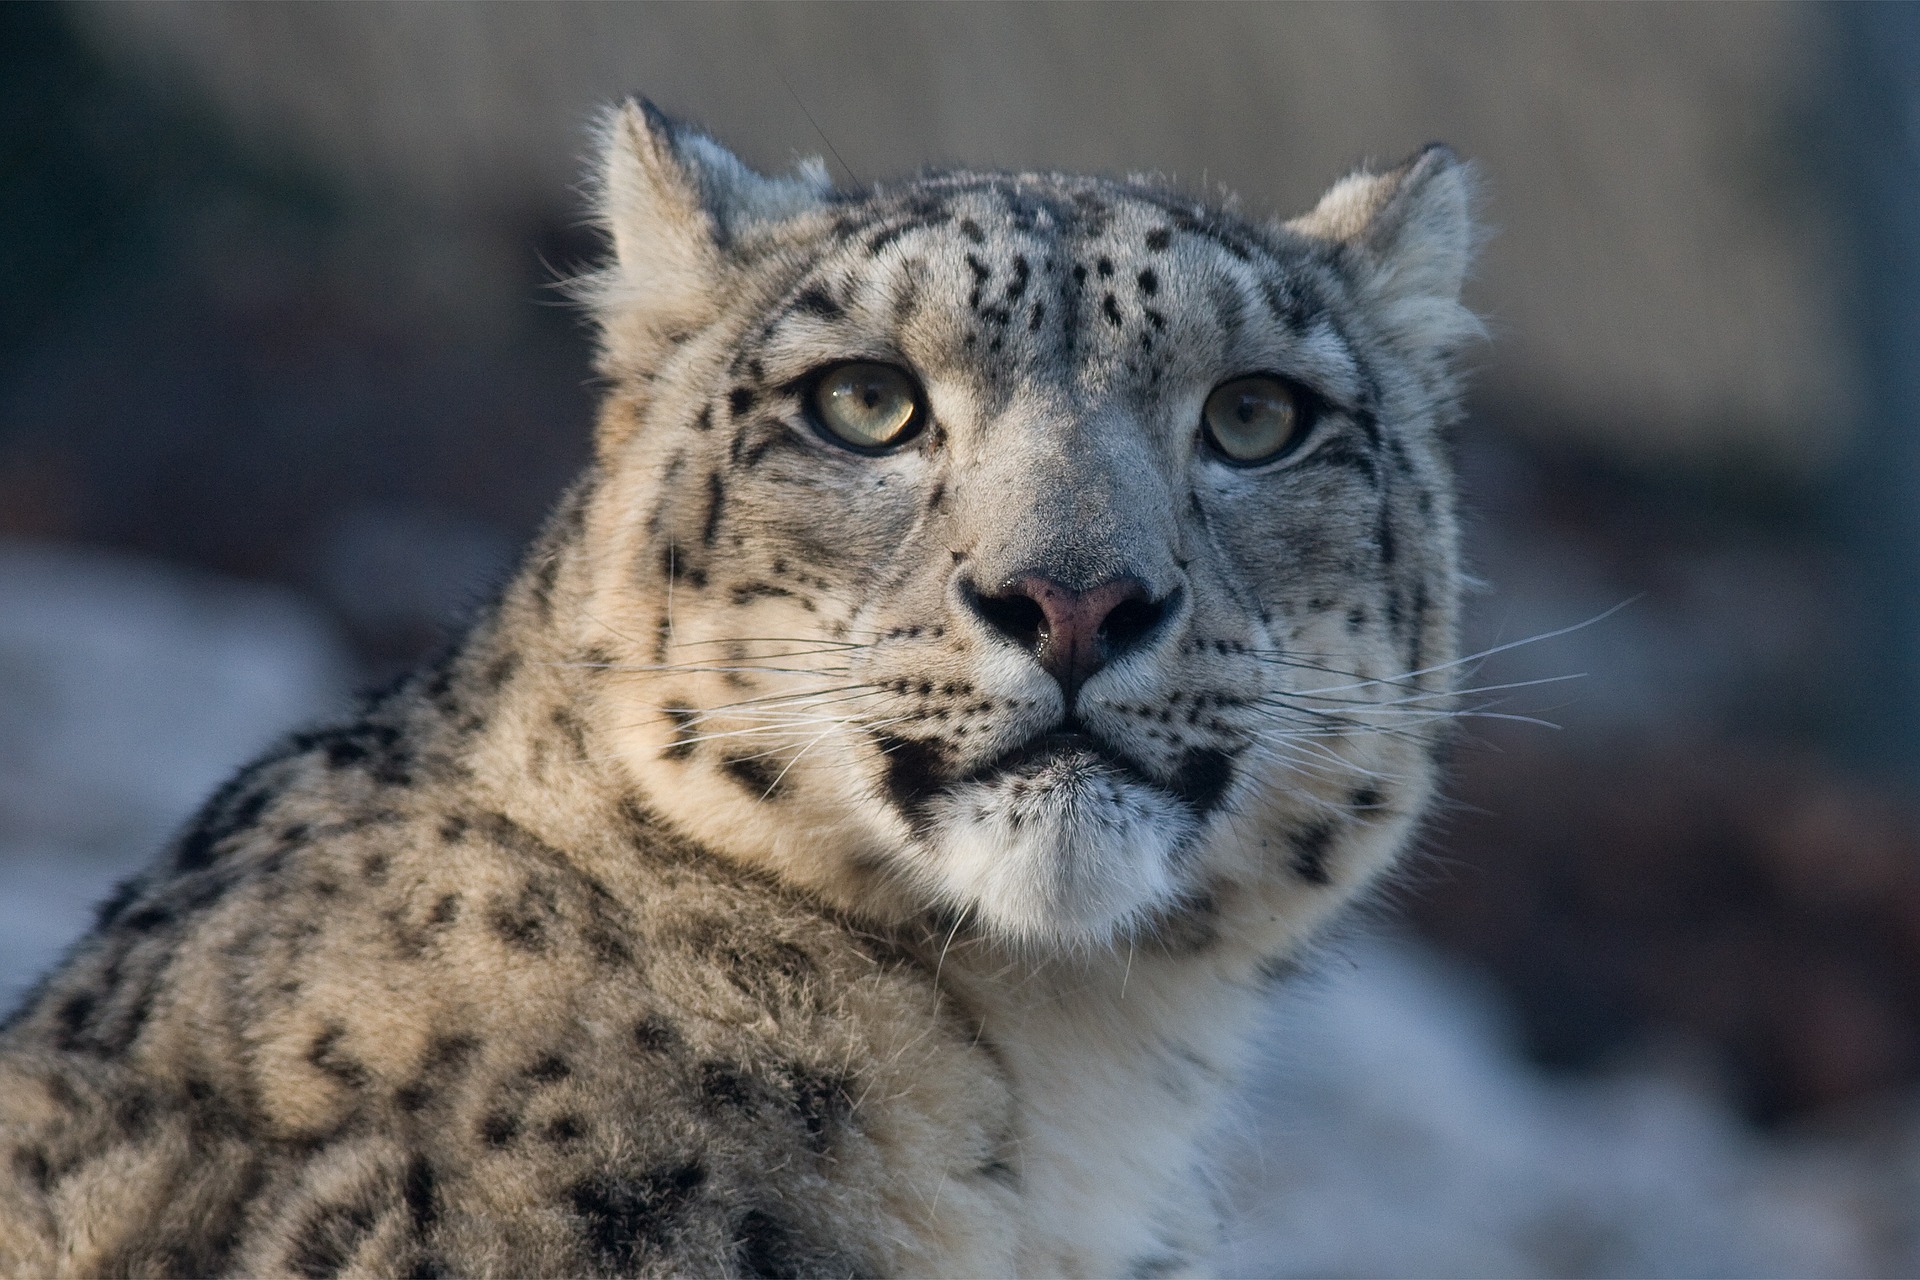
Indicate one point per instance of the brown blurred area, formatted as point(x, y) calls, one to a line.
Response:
point(275, 301)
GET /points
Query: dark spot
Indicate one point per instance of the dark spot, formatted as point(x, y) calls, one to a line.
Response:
point(1000, 1171)
point(498, 1128)
point(226, 814)
point(683, 722)
point(1159, 238)
point(673, 562)
point(981, 274)
point(1417, 632)
point(417, 1189)
point(624, 1215)
point(1110, 309)
point(757, 774)
point(1039, 314)
point(822, 1102)
point(1149, 282)
point(656, 1035)
point(747, 592)
point(564, 1129)
point(571, 729)
point(1310, 845)
point(704, 420)
point(148, 918)
point(325, 1055)
point(550, 1069)
point(916, 772)
point(1022, 272)
point(445, 911)
point(72, 1017)
point(32, 1165)
point(1356, 620)
point(971, 230)
point(814, 300)
point(1154, 318)
point(1366, 798)
point(723, 1088)
point(716, 503)
point(1203, 778)
point(520, 924)
point(739, 400)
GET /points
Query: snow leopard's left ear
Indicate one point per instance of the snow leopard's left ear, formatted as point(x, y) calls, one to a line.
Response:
point(673, 201)
point(1407, 238)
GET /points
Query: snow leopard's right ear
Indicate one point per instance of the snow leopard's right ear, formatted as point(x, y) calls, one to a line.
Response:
point(1406, 238)
point(673, 201)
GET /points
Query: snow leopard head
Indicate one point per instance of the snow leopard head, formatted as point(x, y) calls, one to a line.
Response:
point(1044, 550)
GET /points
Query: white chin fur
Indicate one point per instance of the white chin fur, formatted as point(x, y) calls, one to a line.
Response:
point(1068, 853)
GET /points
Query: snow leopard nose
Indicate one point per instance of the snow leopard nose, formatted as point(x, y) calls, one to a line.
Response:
point(1072, 634)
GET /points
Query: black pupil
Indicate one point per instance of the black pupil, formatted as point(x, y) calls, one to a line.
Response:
point(872, 395)
point(1250, 405)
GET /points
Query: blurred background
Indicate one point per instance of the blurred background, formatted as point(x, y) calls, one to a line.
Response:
point(284, 386)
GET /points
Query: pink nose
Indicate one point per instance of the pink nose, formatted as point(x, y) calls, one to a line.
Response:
point(1072, 634)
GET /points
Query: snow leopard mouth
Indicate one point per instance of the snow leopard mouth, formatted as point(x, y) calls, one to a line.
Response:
point(1201, 780)
point(916, 777)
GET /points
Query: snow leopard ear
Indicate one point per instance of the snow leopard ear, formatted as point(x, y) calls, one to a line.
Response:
point(673, 201)
point(1407, 236)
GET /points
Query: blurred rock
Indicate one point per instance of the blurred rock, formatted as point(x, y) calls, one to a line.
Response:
point(128, 691)
point(1756, 901)
point(1393, 1132)
point(406, 578)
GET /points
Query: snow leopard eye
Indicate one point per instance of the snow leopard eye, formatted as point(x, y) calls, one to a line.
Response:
point(1253, 420)
point(868, 406)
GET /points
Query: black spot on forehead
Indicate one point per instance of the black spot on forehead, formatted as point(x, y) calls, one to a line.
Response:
point(814, 300)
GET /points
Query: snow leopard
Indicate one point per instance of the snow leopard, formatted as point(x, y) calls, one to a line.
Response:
point(1005, 617)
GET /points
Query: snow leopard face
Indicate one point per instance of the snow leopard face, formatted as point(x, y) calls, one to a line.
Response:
point(1051, 552)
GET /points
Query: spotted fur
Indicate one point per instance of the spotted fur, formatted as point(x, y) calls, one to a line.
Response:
point(741, 897)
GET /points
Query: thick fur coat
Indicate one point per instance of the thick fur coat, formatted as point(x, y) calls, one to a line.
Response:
point(757, 889)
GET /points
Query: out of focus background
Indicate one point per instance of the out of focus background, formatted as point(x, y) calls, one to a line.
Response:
point(284, 385)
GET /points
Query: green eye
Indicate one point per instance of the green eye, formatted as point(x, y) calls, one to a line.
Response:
point(1251, 420)
point(868, 405)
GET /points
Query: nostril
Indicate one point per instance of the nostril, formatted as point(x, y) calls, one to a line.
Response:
point(1070, 632)
point(1128, 623)
point(1018, 617)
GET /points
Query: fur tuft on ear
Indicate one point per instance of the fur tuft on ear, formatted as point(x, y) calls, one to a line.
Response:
point(1408, 237)
point(672, 201)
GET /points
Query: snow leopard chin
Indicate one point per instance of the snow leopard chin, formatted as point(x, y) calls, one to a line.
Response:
point(1067, 852)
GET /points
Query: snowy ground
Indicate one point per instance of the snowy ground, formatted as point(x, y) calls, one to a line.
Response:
point(1391, 1131)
